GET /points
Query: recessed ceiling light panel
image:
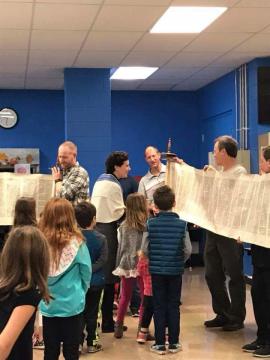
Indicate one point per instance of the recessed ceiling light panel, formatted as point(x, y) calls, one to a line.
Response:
point(133, 73)
point(187, 19)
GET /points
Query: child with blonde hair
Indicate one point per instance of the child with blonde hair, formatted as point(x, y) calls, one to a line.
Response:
point(68, 281)
point(24, 266)
point(130, 236)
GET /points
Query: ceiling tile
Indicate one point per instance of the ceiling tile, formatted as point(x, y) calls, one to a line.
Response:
point(99, 59)
point(165, 81)
point(253, 3)
point(138, 2)
point(241, 20)
point(111, 41)
point(259, 42)
point(44, 84)
point(13, 68)
point(155, 87)
point(125, 85)
point(10, 82)
point(175, 74)
point(172, 42)
point(13, 57)
point(127, 18)
point(212, 42)
point(57, 40)
point(14, 39)
point(193, 59)
point(204, 2)
point(266, 30)
point(45, 72)
point(15, 15)
point(236, 59)
point(64, 16)
point(17, 1)
point(191, 84)
point(52, 58)
point(75, 2)
point(213, 72)
point(137, 58)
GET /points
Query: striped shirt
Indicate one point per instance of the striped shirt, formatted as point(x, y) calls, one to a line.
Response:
point(149, 183)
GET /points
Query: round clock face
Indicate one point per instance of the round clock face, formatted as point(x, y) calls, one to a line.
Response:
point(8, 118)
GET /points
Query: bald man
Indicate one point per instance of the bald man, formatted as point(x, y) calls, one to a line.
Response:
point(71, 178)
point(155, 177)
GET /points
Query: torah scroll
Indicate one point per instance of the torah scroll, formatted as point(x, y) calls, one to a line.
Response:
point(13, 186)
point(229, 205)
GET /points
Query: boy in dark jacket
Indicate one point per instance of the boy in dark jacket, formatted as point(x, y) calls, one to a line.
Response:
point(97, 245)
point(166, 265)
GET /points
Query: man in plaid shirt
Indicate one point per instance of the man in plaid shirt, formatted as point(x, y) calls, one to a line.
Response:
point(72, 179)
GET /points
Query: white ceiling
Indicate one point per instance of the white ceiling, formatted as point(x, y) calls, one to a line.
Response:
point(39, 38)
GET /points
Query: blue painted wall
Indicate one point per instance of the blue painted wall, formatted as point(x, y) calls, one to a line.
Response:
point(217, 112)
point(40, 125)
point(149, 118)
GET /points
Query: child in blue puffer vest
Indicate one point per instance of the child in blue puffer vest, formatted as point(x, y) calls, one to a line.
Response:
point(167, 255)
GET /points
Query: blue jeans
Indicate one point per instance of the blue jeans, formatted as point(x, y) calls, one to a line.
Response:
point(166, 297)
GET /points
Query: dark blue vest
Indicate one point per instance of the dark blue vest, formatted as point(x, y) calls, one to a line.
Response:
point(166, 244)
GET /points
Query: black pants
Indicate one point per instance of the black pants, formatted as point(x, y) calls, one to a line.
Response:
point(224, 256)
point(260, 293)
point(107, 307)
point(90, 314)
point(66, 330)
point(135, 301)
point(148, 311)
point(166, 298)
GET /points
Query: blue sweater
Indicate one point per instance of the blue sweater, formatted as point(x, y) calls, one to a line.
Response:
point(166, 244)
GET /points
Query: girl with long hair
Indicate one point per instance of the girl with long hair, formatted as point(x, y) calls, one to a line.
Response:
point(130, 236)
point(24, 267)
point(68, 281)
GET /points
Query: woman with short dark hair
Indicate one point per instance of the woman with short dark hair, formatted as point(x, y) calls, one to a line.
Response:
point(107, 197)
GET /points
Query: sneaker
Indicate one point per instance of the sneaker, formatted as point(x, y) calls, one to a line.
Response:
point(251, 347)
point(142, 337)
point(150, 337)
point(109, 328)
point(134, 312)
point(115, 305)
point(174, 348)
point(94, 348)
point(39, 345)
point(158, 349)
point(262, 352)
point(232, 326)
point(218, 321)
point(118, 330)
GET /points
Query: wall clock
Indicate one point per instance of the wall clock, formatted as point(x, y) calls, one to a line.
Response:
point(8, 118)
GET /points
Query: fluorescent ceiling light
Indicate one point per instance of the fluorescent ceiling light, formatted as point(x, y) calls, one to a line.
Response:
point(133, 73)
point(187, 19)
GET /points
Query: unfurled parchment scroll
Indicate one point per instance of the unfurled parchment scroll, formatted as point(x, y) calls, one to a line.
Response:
point(13, 186)
point(229, 205)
